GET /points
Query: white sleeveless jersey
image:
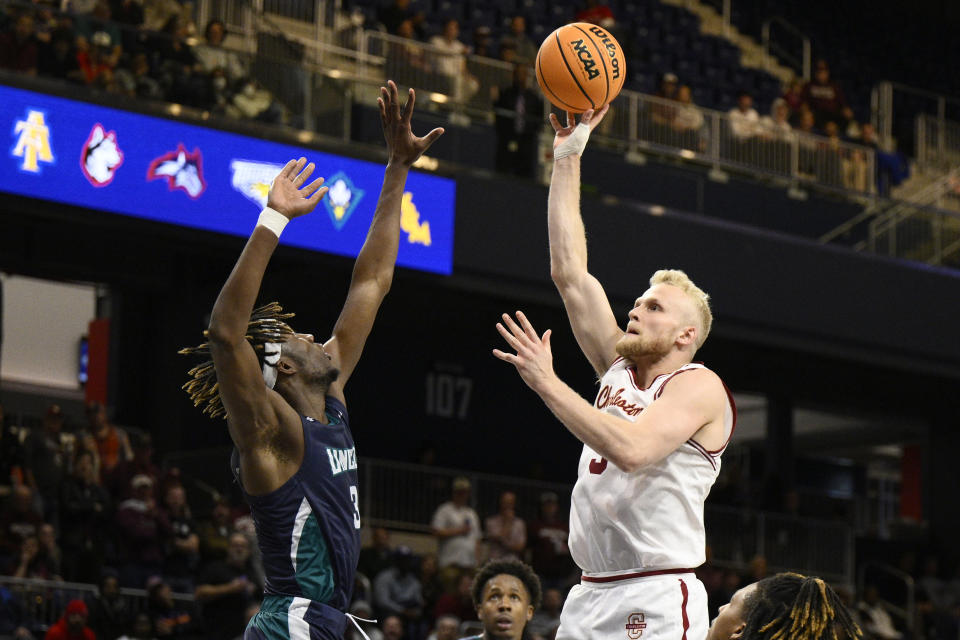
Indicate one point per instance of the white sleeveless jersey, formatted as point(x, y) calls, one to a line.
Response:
point(651, 519)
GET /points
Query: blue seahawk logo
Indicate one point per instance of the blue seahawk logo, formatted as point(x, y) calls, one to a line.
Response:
point(253, 179)
point(342, 198)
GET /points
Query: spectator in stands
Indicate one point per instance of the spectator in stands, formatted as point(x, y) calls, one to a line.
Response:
point(392, 628)
point(127, 12)
point(139, 534)
point(483, 42)
point(182, 557)
point(525, 49)
point(397, 591)
point(11, 455)
point(224, 589)
point(254, 102)
point(506, 533)
point(18, 521)
point(596, 13)
point(85, 505)
point(95, 62)
point(662, 112)
point(58, 57)
point(550, 555)
point(100, 21)
point(141, 629)
point(215, 532)
point(180, 72)
point(457, 528)
point(141, 464)
point(688, 121)
point(19, 47)
point(744, 118)
point(109, 613)
point(156, 13)
point(777, 135)
point(519, 116)
point(546, 620)
point(13, 619)
point(45, 462)
point(111, 441)
point(213, 56)
point(446, 628)
point(170, 618)
point(825, 98)
point(35, 561)
point(451, 61)
point(392, 15)
point(874, 618)
point(430, 585)
point(458, 603)
point(377, 556)
point(793, 96)
point(73, 624)
point(134, 79)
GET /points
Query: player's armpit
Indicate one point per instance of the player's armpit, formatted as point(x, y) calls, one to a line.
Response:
point(592, 320)
point(692, 404)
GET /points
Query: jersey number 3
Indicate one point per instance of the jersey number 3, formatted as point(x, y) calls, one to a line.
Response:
point(598, 466)
point(355, 497)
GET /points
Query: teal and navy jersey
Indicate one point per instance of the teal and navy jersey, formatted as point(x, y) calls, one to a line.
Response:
point(308, 531)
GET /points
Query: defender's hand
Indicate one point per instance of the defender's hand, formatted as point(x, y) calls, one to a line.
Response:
point(287, 193)
point(402, 146)
point(534, 359)
point(589, 117)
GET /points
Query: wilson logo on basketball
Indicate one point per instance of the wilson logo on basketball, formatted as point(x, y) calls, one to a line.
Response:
point(611, 47)
point(635, 625)
point(586, 59)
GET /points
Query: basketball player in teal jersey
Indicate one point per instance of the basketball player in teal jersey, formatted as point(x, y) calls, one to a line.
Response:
point(283, 397)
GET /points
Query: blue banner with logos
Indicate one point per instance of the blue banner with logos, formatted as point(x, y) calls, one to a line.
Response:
point(167, 171)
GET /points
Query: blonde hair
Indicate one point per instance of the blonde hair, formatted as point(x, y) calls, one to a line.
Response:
point(701, 301)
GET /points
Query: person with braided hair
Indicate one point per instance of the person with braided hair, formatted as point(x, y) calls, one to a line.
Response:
point(785, 606)
point(282, 395)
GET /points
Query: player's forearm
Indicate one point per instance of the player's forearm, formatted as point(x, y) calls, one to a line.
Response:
point(378, 256)
point(231, 312)
point(568, 240)
point(611, 437)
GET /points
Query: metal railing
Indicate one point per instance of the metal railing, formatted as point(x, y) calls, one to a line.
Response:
point(42, 602)
point(937, 142)
point(404, 496)
point(772, 37)
point(895, 109)
point(903, 605)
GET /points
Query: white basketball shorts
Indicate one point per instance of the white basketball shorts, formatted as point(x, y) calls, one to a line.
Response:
point(659, 607)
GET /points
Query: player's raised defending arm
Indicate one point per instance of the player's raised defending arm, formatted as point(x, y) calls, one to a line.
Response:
point(248, 403)
point(691, 406)
point(373, 270)
point(591, 318)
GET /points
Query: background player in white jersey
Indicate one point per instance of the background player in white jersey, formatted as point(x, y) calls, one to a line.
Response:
point(652, 439)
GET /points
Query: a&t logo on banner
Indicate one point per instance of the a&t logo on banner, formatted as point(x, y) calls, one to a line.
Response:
point(101, 156)
point(342, 198)
point(253, 179)
point(33, 141)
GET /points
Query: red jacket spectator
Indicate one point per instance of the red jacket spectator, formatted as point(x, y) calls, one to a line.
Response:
point(73, 624)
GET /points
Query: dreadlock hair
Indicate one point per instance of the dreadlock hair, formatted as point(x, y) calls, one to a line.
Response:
point(515, 568)
point(266, 325)
point(790, 606)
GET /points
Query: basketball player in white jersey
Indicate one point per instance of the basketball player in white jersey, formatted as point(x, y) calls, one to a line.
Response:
point(652, 438)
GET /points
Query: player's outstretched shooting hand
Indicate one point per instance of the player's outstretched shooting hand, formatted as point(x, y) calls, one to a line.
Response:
point(402, 146)
point(534, 359)
point(589, 117)
point(289, 196)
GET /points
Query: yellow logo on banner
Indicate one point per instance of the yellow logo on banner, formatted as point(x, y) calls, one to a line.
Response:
point(33, 145)
point(417, 232)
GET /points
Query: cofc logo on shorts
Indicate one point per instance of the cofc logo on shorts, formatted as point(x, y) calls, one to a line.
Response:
point(635, 625)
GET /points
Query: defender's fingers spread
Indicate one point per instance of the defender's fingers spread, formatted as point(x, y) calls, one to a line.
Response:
point(527, 327)
point(316, 197)
point(408, 108)
point(431, 137)
point(517, 331)
point(305, 174)
point(288, 169)
point(546, 338)
point(313, 186)
point(506, 357)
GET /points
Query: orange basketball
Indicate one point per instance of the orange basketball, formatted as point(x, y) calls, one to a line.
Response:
point(580, 66)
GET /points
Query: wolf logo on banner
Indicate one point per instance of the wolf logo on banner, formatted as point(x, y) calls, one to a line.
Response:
point(101, 156)
point(183, 171)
